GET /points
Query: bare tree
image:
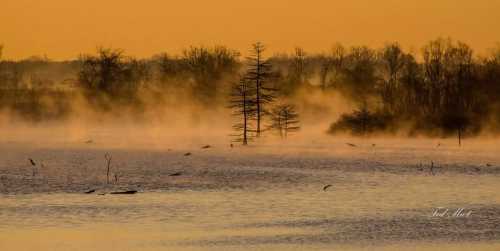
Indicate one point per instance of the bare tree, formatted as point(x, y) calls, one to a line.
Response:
point(338, 56)
point(208, 67)
point(259, 74)
point(299, 62)
point(169, 67)
point(1, 72)
point(358, 73)
point(325, 68)
point(449, 78)
point(392, 61)
point(102, 72)
point(111, 75)
point(242, 102)
point(285, 120)
point(299, 66)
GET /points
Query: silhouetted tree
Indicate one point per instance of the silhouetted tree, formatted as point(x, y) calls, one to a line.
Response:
point(450, 75)
point(103, 72)
point(325, 68)
point(208, 66)
point(169, 68)
point(242, 102)
point(285, 119)
point(411, 92)
point(358, 73)
point(392, 61)
point(298, 72)
point(259, 73)
point(489, 85)
point(110, 76)
point(332, 66)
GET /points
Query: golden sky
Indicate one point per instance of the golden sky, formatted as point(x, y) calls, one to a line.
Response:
point(63, 29)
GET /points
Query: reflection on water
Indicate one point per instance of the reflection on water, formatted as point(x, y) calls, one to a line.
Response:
point(363, 211)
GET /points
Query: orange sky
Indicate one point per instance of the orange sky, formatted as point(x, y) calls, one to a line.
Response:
point(62, 29)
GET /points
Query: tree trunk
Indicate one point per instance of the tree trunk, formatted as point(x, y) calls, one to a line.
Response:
point(245, 129)
point(257, 88)
point(459, 136)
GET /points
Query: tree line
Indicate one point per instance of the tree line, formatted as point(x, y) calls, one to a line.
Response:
point(443, 89)
point(448, 91)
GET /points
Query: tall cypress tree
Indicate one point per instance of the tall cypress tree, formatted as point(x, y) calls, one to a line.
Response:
point(259, 73)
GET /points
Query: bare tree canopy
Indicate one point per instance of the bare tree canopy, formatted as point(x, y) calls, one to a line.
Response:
point(259, 73)
point(285, 120)
point(242, 103)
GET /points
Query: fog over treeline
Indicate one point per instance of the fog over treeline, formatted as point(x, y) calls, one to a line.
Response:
point(442, 89)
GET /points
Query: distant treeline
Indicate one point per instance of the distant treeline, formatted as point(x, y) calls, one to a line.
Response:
point(444, 88)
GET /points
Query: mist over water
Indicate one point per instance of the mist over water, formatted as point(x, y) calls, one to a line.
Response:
point(357, 148)
point(266, 196)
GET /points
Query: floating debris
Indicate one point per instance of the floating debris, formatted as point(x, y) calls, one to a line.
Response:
point(326, 187)
point(90, 191)
point(125, 192)
point(206, 147)
point(176, 174)
point(187, 154)
point(351, 145)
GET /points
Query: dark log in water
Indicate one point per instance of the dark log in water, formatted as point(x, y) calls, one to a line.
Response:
point(90, 191)
point(125, 192)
